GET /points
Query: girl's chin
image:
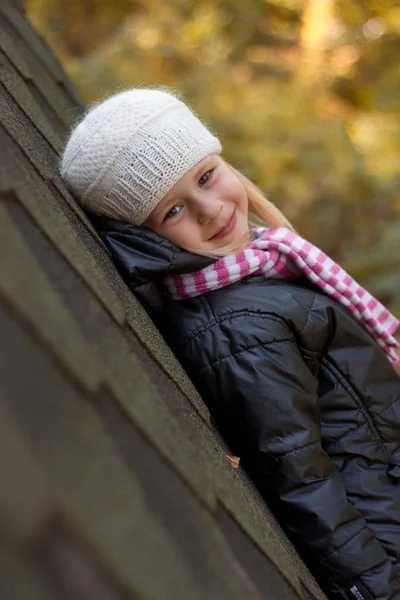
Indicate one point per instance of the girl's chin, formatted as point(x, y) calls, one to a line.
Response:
point(236, 242)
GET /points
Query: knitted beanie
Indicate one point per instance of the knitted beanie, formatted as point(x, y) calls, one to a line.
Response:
point(129, 150)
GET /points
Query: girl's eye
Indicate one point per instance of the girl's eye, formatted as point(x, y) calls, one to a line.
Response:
point(172, 212)
point(206, 175)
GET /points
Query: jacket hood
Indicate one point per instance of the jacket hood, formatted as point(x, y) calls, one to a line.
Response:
point(143, 257)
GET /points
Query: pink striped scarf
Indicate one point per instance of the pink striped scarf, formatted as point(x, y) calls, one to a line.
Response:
point(282, 254)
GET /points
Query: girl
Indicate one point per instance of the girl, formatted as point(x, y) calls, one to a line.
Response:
point(290, 354)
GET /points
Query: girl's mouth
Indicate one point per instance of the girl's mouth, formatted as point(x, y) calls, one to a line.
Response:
point(227, 229)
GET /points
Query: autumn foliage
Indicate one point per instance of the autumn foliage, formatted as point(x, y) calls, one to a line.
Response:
point(304, 95)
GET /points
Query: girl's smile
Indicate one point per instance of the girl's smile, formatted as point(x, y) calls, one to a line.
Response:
point(206, 209)
point(228, 228)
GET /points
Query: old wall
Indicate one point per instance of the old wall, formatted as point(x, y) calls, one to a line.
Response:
point(115, 485)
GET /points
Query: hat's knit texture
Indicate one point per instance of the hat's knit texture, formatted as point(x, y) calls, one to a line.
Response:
point(128, 151)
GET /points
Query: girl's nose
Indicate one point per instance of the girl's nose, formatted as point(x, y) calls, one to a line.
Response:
point(208, 210)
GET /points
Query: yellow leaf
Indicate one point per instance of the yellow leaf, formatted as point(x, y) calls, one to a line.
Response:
point(234, 460)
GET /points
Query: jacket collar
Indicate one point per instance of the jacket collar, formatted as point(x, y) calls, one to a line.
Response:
point(143, 257)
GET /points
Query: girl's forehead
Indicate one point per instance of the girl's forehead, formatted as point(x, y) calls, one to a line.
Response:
point(191, 175)
point(186, 180)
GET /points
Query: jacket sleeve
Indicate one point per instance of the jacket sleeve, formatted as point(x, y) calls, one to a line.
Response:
point(264, 398)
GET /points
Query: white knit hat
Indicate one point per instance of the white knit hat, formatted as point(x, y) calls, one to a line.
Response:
point(129, 150)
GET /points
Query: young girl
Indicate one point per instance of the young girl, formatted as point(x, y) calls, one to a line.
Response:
point(291, 355)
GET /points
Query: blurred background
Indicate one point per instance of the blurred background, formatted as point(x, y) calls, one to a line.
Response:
point(304, 94)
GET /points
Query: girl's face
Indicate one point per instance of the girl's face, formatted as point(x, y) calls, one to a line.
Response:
point(205, 210)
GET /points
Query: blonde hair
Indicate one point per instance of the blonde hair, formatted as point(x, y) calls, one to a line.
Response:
point(265, 212)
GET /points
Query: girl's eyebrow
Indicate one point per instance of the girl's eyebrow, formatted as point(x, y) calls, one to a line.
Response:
point(201, 168)
point(199, 171)
point(160, 210)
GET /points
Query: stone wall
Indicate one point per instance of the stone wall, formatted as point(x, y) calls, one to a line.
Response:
point(115, 484)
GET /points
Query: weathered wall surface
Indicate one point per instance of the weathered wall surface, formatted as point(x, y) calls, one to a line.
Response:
point(115, 485)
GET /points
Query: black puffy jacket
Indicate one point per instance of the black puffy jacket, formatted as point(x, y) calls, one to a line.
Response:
point(303, 394)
